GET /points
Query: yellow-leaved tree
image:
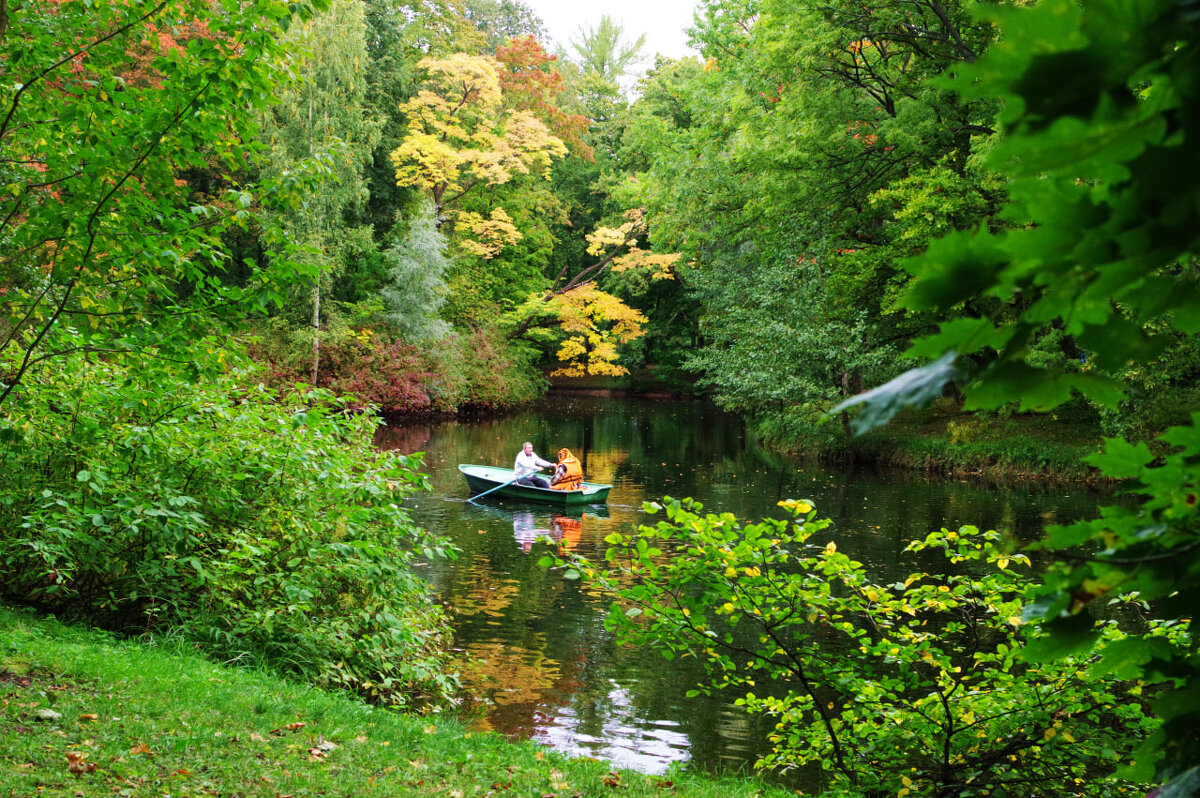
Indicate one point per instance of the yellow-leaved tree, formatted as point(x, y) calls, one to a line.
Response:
point(596, 323)
point(460, 136)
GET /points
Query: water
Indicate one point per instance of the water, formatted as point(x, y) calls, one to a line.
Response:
point(534, 645)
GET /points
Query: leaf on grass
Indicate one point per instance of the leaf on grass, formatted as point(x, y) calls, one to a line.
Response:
point(140, 748)
point(90, 716)
point(291, 727)
point(77, 764)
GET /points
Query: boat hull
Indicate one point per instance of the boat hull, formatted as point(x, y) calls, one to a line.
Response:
point(487, 478)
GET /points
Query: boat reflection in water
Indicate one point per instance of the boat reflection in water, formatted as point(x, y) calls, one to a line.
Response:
point(563, 531)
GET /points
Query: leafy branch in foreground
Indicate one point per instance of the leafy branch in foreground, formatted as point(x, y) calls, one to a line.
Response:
point(99, 226)
point(890, 688)
point(1101, 245)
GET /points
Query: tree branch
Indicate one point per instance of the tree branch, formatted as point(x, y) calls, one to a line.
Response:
point(65, 59)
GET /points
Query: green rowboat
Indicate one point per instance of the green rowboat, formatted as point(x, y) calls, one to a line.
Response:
point(481, 479)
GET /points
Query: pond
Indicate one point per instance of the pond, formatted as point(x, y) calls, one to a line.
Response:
point(536, 651)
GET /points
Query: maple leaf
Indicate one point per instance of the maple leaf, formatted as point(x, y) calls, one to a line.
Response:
point(77, 764)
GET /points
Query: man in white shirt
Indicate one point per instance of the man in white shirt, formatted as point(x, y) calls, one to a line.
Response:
point(526, 468)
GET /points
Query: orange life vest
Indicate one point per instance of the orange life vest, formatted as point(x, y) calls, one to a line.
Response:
point(569, 475)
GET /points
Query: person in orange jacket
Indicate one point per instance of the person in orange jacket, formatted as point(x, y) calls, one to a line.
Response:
point(568, 474)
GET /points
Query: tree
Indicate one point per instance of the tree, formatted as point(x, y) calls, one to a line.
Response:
point(810, 153)
point(319, 126)
point(604, 51)
point(504, 20)
point(460, 138)
point(530, 82)
point(595, 323)
point(108, 111)
point(417, 268)
point(1105, 227)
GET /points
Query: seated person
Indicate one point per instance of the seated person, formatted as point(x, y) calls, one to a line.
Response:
point(526, 467)
point(568, 475)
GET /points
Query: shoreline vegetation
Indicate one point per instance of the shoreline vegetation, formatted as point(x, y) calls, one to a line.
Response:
point(941, 440)
point(89, 714)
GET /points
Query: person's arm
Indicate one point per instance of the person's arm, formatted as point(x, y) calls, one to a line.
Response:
point(544, 463)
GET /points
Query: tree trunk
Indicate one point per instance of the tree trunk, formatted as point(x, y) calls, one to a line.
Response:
point(316, 323)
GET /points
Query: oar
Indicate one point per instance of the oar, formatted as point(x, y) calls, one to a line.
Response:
point(498, 487)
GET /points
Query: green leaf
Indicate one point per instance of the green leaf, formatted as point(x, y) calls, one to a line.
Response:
point(1125, 658)
point(954, 269)
point(83, 476)
point(1036, 389)
point(1121, 459)
point(1068, 635)
point(915, 387)
point(1185, 785)
point(965, 336)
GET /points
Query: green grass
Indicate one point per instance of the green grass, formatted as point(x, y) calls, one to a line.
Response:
point(136, 720)
point(1030, 446)
point(942, 439)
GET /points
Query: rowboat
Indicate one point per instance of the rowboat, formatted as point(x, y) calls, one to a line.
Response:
point(495, 481)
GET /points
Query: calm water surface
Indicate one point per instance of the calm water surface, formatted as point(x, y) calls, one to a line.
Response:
point(535, 646)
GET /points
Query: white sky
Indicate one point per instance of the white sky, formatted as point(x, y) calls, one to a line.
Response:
point(663, 22)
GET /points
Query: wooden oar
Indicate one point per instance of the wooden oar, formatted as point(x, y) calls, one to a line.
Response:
point(498, 487)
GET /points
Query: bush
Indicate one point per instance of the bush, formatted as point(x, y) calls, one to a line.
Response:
point(262, 530)
point(474, 371)
point(907, 687)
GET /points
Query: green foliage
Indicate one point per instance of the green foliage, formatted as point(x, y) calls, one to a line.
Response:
point(1099, 245)
point(767, 351)
point(256, 528)
point(416, 288)
point(104, 111)
point(892, 686)
point(603, 50)
point(794, 171)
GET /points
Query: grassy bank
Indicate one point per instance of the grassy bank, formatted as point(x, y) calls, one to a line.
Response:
point(944, 440)
point(87, 715)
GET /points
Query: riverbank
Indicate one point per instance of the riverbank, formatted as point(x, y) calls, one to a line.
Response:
point(941, 440)
point(88, 715)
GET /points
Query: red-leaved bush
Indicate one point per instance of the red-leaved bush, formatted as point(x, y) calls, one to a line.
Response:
point(461, 372)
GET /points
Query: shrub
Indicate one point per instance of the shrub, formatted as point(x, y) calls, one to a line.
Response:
point(476, 370)
point(263, 530)
point(891, 688)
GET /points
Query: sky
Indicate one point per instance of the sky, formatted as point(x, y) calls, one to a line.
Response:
point(663, 22)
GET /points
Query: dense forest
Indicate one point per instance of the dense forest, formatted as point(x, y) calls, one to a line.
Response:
point(232, 233)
